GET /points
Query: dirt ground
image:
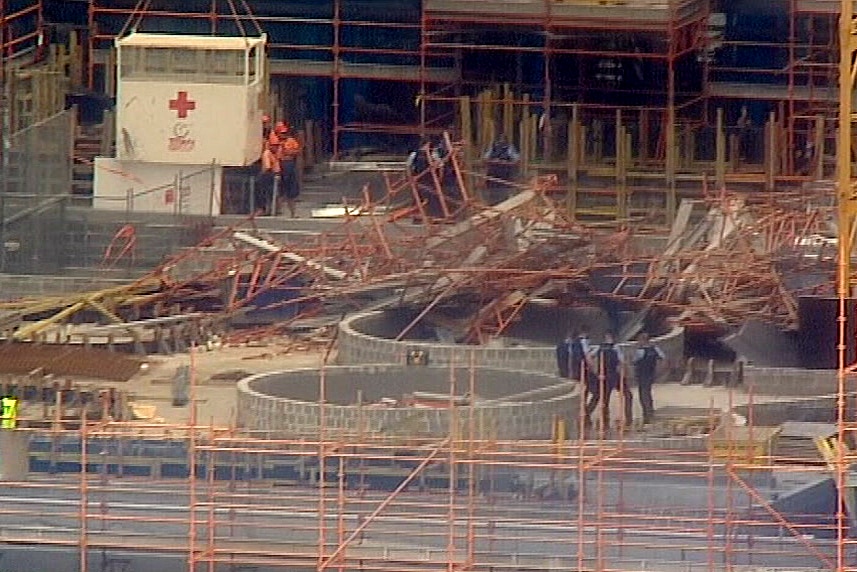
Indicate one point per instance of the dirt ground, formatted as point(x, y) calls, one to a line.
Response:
point(215, 376)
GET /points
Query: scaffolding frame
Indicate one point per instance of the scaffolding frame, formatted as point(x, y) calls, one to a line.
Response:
point(20, 32)
point(649, 151)
point(465, 523)
point(802, 89)
point(606, 527)
point(20, 27)
point(444, 499)
point(491, 259)
point(36, 141)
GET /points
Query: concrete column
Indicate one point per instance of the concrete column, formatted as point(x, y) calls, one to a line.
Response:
point(14, 457)
point(177, 335)
point(139, 349)
point(161, 342)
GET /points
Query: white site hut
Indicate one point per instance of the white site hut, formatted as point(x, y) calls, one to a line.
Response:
point(186, 106)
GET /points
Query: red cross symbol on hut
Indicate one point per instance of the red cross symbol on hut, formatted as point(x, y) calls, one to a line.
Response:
point(181, 104)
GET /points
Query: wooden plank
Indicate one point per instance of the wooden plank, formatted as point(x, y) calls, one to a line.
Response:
point(681, 220)
point(75, 60)
point(656, 14)
point(720, 153)
point(573, 160)
point(671, 166)
point(469, 154)
point(508, 110)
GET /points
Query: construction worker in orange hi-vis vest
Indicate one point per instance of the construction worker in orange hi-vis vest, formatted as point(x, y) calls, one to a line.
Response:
point(266, 128)
point(267, 179)
point(288, 152)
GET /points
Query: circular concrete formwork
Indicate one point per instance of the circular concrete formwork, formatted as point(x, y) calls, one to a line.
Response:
point(369, 337)
point(509, 404)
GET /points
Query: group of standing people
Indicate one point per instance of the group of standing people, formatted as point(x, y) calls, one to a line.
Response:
point(278, 179)
point(601, 369)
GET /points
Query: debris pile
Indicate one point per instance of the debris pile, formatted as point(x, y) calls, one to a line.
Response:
point(727, 258)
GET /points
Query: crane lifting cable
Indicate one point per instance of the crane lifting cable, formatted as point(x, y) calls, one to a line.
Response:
point(237, 18)
point(135, 17)
point(252, 17)
point(143, 7)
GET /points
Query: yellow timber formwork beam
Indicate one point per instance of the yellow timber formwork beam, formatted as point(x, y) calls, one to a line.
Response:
point(33, 305)
point(26, 332)
point(104, 310)
point(104, 301)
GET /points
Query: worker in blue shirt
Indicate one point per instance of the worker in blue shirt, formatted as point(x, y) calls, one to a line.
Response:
point(419, 166)
point(646, 358)
point(501, 161)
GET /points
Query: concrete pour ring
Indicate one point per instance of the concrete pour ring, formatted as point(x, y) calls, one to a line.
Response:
point(405, 401)
point(369, 337)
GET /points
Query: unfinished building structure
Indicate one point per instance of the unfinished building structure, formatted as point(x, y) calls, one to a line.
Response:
point(619, 92)
point(630, 105)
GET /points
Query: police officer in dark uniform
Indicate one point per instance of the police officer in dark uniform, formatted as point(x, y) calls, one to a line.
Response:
point(571, 355)
point(646, 360)
point(607, 364)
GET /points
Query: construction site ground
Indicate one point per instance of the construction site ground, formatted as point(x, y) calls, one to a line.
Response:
point(214, 378)
point(216, 372)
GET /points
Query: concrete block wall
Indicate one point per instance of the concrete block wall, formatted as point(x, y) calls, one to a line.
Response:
point(87, 243)
point(89, 232)
point(357, 347)
point(809, 409)
point(789, 380)
point(284, 415)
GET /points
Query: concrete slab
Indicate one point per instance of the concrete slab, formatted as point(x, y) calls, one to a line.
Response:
point(676, 400)
point(217, 399)
point(216, 375)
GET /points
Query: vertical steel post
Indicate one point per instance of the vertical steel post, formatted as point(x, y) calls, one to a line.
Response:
point(191, 463)
point(846, 210)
